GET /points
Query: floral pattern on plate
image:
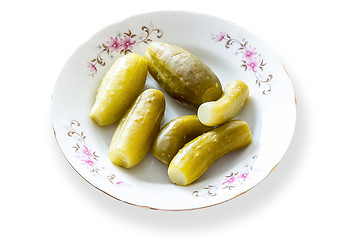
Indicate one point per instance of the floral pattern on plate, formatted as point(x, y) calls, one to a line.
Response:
point(232, 180)
point(251, 59)
point(87, 157)
point(122, 43)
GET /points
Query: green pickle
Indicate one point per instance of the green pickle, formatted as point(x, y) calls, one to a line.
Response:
point(137, 129)
point(174, 135)
point(200, 153)
point(227, 107)
point(120, 86)
point(182, 75)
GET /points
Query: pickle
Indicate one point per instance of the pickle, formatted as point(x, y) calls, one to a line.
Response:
point(174, 135)
point(182, 75)
point(200, 153)
point(227, 107)
point(137, 129)
point(121, 85)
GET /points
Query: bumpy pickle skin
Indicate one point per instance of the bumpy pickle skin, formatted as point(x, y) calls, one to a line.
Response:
point(227, 107)
point(120, 86)
point(174, 135)
point(200, 153)
point(182, 75)
point(137, 129)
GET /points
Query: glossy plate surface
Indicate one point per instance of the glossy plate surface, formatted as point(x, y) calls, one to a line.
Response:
point(232, 53)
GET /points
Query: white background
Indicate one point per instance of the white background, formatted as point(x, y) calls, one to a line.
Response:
point(314, 193)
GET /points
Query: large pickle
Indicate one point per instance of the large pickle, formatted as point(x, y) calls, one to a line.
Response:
point(182, 75)
point(121, 85)
point(200, 153)
point(174, 135)
point(137, 129)
point(227, 107)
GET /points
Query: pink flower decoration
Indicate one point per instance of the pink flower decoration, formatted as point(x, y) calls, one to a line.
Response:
point(92, 68)
point(127, 43)
point(220, 36)
point(88, 161)
point(88, 157)
point(253, 64)
point(114, 44)
point(244, 176)
point(248, 52)
point(230, 180)
point(86, 152)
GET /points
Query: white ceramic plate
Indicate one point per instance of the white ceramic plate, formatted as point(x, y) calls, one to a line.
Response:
point(232, 52)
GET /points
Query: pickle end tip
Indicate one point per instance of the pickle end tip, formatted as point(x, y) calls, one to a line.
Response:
point(119, 159)
point(212, 94)
point(248, 136)
point(203, 114)
point(177, 176)
point(163, 160)
point(98, 120)
point(95, 118)
point(248, 139)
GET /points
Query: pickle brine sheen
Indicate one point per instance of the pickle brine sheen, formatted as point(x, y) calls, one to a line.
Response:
point(227, 107)
point(120, 86)
point(200, 153)
point(181, 74)
point(174, 135)
point(137, 129)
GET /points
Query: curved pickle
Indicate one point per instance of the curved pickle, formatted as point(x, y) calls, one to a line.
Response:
point(174, 135)
point(200, 153)
point(121, 85)
point(227, 107)
point(182, 75)
point(136, 131)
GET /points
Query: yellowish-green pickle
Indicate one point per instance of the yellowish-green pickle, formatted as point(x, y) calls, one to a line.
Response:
point(174, 135)
point(182, 75)
point(137, 129)
point(200, 153)
point(120, 86)
point(227, 107)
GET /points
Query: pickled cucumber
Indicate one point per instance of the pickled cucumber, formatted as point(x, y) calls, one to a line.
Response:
point(137, 129)
point(182, 75)
point(200, 153)
point(121, 85)
point(227, 107)
point(174, 135)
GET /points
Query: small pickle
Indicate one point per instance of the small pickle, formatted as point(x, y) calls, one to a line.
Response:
point(200, 153)
point(137, 129)
point(174, 135)
point(182, 75)
point(121, 85)
point(227, 107)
